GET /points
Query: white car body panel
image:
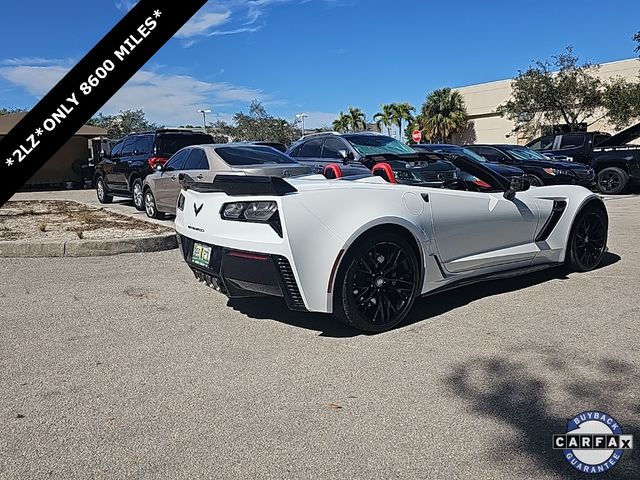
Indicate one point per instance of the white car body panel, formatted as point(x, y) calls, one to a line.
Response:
point(461, 235)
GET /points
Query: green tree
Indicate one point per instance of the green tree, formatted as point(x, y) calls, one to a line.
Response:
point(561, 91)
point(385, 118)
point(7, 111)
point(124, 123)
point(357, 119)
point(257, 125)
point(442, 114)
point(401, 112)
point(341, 124)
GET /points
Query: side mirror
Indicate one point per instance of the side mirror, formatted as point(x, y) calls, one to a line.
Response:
point(159, 167)
point(517, 185)
point(345, 155)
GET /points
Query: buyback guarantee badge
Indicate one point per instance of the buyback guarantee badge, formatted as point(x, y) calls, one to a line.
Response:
point(594, 442)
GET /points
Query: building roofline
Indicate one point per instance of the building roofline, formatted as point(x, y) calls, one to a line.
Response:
point(511, 79)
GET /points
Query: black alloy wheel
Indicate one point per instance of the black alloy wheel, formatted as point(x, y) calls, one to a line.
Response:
point(379, 285)
point(612, 180)
point(535, 181)
point(588, 240)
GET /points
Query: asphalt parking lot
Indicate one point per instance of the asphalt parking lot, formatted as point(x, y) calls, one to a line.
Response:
point(127, 367)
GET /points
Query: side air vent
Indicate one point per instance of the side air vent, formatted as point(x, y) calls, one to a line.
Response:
point(552, 221)
point(291, 290)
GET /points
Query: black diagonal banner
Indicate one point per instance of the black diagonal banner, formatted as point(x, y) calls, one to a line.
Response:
point(87, 87)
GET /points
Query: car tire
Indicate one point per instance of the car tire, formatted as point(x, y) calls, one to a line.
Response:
point(612, 180)
point(588, 239)
point(101, 191)
point(150, 205)
point(137, 194)
point(377, 283)
point(535, 181)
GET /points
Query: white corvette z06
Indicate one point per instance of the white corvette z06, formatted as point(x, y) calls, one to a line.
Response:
point(364, 249)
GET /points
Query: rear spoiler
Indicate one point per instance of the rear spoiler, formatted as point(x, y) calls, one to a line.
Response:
point(239, 185)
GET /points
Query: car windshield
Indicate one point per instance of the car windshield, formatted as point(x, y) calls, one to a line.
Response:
point(523, 153)
point(252, 155)
point(170, 143)
point(378, 145)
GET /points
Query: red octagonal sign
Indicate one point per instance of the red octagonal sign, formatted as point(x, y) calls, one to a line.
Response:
point(416, 135)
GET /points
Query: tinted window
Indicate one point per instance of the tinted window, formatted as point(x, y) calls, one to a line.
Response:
point(542, 143)
point(331, 147)
point(295, 152)
point(129, 144)
point(116, 151)
point(572, 140)
point(144, 144)
point(599, 138)
point(169, 143)
point(251, 155)
point(311, 148)
point(177, 161)
point(490, 154)
point(197, 160)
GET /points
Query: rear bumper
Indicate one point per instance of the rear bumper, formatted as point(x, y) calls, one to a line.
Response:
point(240, 274)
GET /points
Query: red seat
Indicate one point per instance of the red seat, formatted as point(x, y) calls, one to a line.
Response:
point(332, 170)
point(385, 171)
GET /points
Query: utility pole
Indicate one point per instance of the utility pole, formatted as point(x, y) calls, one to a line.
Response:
point(301, 117)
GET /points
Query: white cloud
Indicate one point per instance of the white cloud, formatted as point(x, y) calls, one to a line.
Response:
point(203, 23)
point(319, 119)
point(166, 99)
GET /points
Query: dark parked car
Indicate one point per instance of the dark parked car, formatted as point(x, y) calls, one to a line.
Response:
point(121, 173)
point(575, 146)
point(362, 153)
point(540, 170)
point(445, 149)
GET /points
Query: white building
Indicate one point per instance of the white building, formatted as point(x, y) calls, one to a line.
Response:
point(486, 126)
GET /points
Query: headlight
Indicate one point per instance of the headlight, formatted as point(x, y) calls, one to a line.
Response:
point(558, 171)
point(181, 200)
point(249, 211)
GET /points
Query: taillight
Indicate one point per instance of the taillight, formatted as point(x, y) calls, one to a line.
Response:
point(153, 161)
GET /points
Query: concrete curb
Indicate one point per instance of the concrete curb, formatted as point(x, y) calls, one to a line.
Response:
point(87, 248)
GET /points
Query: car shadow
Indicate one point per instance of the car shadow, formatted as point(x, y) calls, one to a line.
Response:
point(273, 308)
point(535, 389)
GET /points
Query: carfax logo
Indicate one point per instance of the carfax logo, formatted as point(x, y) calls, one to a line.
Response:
point(594, 442)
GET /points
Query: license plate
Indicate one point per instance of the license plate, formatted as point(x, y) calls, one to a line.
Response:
point(201, 255)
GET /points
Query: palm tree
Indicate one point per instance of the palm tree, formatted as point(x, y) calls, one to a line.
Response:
point(357, 119)
point(400, 113)
point(443, 113)
point(341, 124)
point(384, 118)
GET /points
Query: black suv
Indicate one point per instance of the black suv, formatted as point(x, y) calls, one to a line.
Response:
point(366, 152)
point(122, 171)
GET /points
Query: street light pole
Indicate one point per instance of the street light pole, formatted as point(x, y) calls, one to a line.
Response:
point(302, 116)
point(204, 118)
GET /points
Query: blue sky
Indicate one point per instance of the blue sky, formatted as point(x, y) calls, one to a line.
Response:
point(313, 56)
